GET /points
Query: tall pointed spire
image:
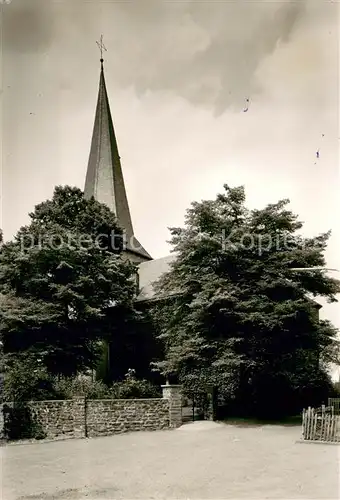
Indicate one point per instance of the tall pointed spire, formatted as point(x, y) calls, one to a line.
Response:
point(104, 177)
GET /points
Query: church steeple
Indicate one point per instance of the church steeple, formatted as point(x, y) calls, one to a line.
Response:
point(104, 177)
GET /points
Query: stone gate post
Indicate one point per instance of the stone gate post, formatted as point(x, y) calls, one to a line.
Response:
point(2, 423)
point(212, 403)
point(173, 393)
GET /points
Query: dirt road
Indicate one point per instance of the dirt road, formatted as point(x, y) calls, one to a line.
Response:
point(198, 461)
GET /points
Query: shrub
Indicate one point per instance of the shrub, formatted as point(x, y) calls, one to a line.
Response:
point(19, 423)
point(132, 388)
point(66, 388)
point(25, 380)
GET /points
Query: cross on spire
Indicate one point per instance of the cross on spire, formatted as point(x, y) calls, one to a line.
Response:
point(102, 48)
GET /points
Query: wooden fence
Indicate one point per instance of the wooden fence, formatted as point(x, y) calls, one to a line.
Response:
point(321, 424)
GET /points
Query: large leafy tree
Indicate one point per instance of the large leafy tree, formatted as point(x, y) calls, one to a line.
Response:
point(236, 315)
point(58, 277)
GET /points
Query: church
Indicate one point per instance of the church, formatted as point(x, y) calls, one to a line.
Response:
point(105, 182)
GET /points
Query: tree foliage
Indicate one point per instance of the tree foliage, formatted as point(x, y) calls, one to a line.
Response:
point(58, 277)
point(240, 318)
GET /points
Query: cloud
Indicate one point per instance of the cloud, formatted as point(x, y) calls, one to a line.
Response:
point(27, 26)
point(212, 54)
point(206, 52)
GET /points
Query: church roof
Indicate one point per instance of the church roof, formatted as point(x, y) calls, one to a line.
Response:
point(104, 177)
point(149, 273)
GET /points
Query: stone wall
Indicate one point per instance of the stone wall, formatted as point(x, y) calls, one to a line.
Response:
point(48, 419)
point(79, 418)
point(112, 416)
point(54, 417)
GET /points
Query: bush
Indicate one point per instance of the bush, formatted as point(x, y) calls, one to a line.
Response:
point(20, 424)
point(132, 388)
point(25, 381)
point(66, 388)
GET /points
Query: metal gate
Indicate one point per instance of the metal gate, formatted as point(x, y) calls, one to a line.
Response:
point(190, 410)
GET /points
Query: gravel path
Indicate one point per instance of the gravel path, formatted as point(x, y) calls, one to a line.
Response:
point(201, 460)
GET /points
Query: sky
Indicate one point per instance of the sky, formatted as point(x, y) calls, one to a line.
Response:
point(178, 75)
